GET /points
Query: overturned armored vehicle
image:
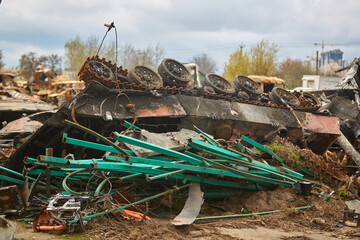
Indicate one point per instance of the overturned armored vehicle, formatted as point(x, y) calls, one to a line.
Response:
point(169, 101)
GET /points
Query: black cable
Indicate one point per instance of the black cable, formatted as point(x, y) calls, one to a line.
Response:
point(109, 26)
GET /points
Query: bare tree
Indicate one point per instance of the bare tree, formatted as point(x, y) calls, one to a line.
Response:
point(328, 70)
point(292, 71)
point(129, 57)
point(76, 51)
point(205, 62)
point(74, 54)
point(54, 61)
point(28, 63)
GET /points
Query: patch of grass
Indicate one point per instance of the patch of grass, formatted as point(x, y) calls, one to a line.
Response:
point(257, 152)
point(341, 193)
point(297, 158)
point(275, 148)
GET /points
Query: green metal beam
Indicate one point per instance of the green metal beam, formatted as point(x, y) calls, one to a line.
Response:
point(159, 149)
point(247, 175)
point(95, 134)
point(202, 145)
point(263, 148)
point(134, 168)
point(20, 175)
point(12, 180)
point(97, 146)
point(174, 165)
point(237, 158)
point(206, 136)
point(126, 124)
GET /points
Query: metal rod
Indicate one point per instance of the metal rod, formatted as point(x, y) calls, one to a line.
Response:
point(48, 153)
point(154, 170)
point(10, 179)
point(20, 175)
point(166, 174)
point(206, 136)
point(244, 215)
point(67, 189)
point(244, 161)
point(101, 185)
point(174, 165)
point(33, 186)
point(95, 134)
point(130, 176)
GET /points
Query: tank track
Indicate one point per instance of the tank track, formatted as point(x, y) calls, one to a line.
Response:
point(85, 74)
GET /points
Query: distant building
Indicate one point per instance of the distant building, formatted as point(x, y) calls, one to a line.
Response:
point(311, 63)
point(316, 82)
point(334, 56)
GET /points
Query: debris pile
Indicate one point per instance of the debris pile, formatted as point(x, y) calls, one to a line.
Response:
point(222, 171)
point(334, 168)
point(133, 142)
point(50, 87)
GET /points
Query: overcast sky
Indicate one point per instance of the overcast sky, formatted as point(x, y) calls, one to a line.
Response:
point(183, 28)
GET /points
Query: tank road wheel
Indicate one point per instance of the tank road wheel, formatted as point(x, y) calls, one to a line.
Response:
point(123, 79)
point(100, 69)
point(242, 83)
point(278, 94)
point(208, 89)
point(219, 84)
point(314, 101)
point(174, 73)
point(145, 76)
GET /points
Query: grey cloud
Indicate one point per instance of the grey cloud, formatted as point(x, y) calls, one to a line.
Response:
point(189, 25)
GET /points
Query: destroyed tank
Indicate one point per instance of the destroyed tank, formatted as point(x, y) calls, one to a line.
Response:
point(171, 99)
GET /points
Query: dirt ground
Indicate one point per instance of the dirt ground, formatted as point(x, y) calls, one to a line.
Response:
point(290, 224)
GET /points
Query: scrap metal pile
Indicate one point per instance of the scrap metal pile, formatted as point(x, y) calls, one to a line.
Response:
point(136, 159)
point(86, 160)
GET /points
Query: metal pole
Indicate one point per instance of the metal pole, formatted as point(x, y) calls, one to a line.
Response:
point(49, 153)
point(244, 215)
point(317, 62)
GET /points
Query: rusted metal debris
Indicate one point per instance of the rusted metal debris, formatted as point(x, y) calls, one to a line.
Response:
point(14, 104)
point(170, 108)
point(104, 109)
point(94, 143)
point(11, 200)
point(50, 87)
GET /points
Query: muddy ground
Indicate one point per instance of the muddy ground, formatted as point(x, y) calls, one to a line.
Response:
point(290, 224)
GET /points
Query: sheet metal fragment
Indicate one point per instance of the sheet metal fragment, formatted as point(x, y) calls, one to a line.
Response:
point(192, 206)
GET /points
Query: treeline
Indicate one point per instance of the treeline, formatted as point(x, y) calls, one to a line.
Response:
point(260, 59)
